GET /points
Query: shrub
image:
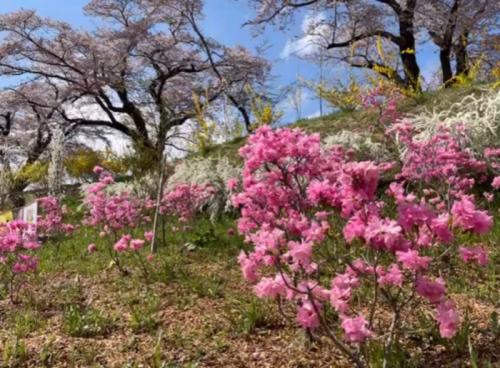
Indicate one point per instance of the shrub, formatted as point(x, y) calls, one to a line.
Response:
point(80, 164)
point(361, 143)
point(202, 171)
point(51, 222)
point(296, 197)
point(346, 98)
point(185, 200)
point(116, 216)
point(18, 242)
point(476, 119)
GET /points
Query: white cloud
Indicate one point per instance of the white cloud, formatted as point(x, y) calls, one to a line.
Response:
point(315, 114)
point(315, 32)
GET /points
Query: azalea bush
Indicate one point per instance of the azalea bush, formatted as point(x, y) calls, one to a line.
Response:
point(180, 206)
point(51, 223)
point(185, 200)
point(346, 253)
point(18, 243)
point(118, 218)
point(213, 171)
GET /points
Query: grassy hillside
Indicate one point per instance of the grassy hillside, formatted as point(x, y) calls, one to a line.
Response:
point(358, 121)
point(193, 309)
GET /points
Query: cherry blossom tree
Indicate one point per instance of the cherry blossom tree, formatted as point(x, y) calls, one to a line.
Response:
point(351, 31)
point(136, 73)
point(25, 134)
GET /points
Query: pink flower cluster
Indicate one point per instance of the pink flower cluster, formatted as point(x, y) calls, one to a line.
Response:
point(113, 212)
point(17, 236)
point(117, 216)
point(294, 194)
point(127, 243)
point(441, 159)
point(52, 220)
point(18, 240)
point(185, 200)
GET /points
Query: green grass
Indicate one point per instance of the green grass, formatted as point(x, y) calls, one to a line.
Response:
point(85, 322)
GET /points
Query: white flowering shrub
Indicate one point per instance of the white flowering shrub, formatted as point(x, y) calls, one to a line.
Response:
point(213, 171)
point(361, 143)
point(478, 114)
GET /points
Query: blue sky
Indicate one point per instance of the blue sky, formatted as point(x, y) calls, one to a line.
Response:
point(223, 21)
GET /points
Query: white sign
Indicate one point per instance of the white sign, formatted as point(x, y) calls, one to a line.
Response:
point(30, 213)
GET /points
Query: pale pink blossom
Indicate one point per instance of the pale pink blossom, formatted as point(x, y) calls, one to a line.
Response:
point(356, 329)
point(478, 255)
point(136, 244)
point(92, 248)
point(307, 317)
point(148, 235)
point(467, 217)
point(448, 318)
point(412, 260)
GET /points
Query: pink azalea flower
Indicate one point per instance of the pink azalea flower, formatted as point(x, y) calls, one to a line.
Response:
point(440, 226)
point(467, 217)
point(341, 292)
point(411, 260)
point(92, 248)
point(496, 182)
point(307, 316)
point(448, 318)
point(31, 245)
point(248, 267)
point(385, 234)
point(301, 253)
point(270, 288)
point(492, 152)
point(356, 329)
point(355, 228)
point(433, 291)
point(136, 244)
point(148, 235)
point(475, 254)
point(232, 184)
point(122, 244)
point(98, 170)
point(393, 277)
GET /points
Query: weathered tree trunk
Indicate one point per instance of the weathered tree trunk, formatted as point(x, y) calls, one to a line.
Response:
point(462, 58)
point(407, 47)
point(412, 72)
point(446, 70)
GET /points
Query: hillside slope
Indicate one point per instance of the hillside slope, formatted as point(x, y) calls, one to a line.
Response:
point(359, 121)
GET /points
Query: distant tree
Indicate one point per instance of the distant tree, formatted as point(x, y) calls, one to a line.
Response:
point(463, 30)
point(136, 73)
point(353, 31)
point(25, 134)
point(381, 35)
